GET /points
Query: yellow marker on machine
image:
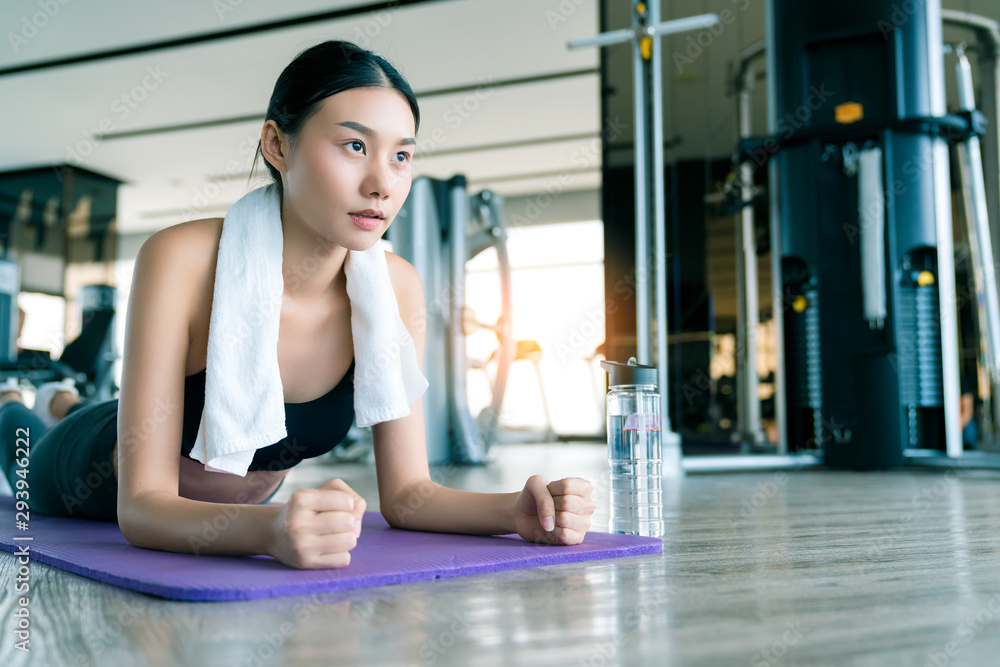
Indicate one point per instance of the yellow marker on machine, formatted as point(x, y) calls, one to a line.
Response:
point(799, 304)
point(646, 46)
point(925, 278)
point(848, 112)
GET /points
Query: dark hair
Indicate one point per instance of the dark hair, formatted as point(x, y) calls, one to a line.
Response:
point(318, 72)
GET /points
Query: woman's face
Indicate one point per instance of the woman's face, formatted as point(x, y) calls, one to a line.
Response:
point(353, 154)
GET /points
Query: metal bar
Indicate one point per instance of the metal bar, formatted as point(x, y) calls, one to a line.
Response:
point(670, 441)
point(748, 310)
point(987, 33)
point(466, 431)
point(659, 220)
point(945, 242)
point(989, 88)
point(871, 218)
point(741, 330)
point(604, 39)
point(747, 462)
point(644, 350)
point(742, 61)
point(658, 29)
point(968, 461)
point(974, 189)
point(973, 21)
point(777, 291)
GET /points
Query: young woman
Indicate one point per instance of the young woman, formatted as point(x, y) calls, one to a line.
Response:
point(338, 140)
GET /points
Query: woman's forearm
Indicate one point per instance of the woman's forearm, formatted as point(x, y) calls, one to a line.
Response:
point(171, 523)
point(426, 505)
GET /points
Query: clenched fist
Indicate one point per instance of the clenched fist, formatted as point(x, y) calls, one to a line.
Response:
point(555, 513)
point(317, 528)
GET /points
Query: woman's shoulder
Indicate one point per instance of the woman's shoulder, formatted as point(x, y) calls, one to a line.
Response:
point(191, 246)
point(193, 235)
point(403, 275)
point(188, 252)
point(409, 290)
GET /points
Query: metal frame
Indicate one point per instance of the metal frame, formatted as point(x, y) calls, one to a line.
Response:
point(465, 429)
point(945, 243)
point(777, 290)
point(970, 163)
point(652, 28)
point(748, 431)
point(416, 236)
point(436, 238)
point(988, 35)
point(931, 458)
point(10, 285)
point(987, 194)
point(491, 232)
point(746, 462)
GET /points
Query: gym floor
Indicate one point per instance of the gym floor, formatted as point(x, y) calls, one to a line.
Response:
point(803, 567)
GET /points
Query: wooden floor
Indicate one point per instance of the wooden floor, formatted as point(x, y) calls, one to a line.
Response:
point(767, 568)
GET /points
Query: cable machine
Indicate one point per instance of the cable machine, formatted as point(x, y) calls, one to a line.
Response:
point(861, 226)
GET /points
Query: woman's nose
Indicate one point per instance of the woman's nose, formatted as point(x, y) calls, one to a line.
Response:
point(379, 182)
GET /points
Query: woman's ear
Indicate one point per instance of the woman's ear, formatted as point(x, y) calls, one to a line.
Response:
point(274, 145)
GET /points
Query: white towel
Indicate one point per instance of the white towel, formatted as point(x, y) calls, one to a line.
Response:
point(244, 400)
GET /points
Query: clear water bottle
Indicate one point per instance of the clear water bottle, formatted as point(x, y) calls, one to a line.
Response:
point(634, 449)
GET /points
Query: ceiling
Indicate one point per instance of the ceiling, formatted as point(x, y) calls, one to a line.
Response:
point(177, 116)
point(184, 149)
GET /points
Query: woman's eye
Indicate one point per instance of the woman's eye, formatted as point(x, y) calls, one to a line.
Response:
point(356, 143)
point(406, 156)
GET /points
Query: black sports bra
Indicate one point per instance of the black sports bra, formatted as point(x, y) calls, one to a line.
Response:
point(314, 427)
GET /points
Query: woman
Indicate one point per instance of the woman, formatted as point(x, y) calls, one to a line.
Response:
point(337, 139)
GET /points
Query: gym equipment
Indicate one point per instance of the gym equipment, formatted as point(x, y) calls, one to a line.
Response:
point(93, 352)
point(525, 350)
point(925, 357)
point(383, 556)
point(748, 432)
point(488, 230)
point(10, 287)
point(861, 218)
point(979, 171)
point(986, 34)
point(647, 72)
point(438, 229)
point(88, 359)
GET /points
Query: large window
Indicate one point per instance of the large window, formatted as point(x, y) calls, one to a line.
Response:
point(558, 302)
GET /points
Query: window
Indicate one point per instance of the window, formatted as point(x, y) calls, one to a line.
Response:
point(558, 301)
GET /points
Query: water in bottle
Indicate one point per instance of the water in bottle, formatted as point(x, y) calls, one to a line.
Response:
point(634, 449)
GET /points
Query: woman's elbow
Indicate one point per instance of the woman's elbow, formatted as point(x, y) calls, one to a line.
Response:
point(135, 527)
point(396, 517)
point(132, 533)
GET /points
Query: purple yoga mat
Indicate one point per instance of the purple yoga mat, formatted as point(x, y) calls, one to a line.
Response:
point(384, 555)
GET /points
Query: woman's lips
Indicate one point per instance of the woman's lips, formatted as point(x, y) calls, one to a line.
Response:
point(367, 224)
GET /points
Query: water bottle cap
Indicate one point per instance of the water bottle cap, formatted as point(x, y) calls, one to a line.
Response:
point(629, 374)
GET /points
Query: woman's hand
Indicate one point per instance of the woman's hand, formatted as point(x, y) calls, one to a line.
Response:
point(317, 528)
point(554, 513)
